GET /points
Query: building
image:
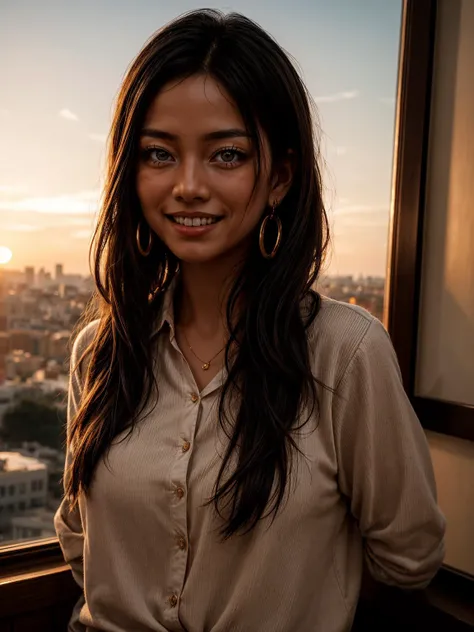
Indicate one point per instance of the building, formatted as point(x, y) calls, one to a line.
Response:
point(23, 486)
point(33, 524)
point(29, 276)
point(41, 278)
point(58, 346)
point(21, 364)
point(59, 272)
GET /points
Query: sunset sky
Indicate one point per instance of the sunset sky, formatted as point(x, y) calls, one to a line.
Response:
point(62, 64)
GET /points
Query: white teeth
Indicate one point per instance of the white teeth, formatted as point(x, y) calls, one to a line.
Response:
point(195, 221)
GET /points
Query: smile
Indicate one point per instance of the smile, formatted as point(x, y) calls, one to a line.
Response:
point(194, 221)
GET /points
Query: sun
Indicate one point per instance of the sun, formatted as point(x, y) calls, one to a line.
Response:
point(5, 254)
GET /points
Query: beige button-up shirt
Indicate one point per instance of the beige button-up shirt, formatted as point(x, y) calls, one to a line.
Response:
point(147, 552)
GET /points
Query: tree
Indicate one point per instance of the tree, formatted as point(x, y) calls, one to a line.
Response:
point(34, 420)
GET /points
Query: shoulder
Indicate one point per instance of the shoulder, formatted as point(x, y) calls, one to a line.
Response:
point(340, 332)
point(82, 342)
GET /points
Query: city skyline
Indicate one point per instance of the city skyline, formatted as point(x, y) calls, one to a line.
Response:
point(64, 69)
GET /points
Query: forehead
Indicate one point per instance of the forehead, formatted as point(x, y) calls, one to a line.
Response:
point(195, 105)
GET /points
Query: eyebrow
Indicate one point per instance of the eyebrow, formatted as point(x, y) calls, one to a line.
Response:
point(217, 135)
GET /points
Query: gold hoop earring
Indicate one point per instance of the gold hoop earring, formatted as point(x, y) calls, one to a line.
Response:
point(261, 240)
point(146, 252)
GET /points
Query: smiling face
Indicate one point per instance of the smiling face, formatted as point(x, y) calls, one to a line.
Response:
point(196, 172)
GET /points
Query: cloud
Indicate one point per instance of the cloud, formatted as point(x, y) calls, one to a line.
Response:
point(360, 222)
point(4, 112)
point(9, 189)
point(82, 234)
point(84, 202)
point(360, 217)
point(341, 151)
point(78, 221)
point(68, 115)
point(353, 209)
point(22, 228)
point(338, 96)
point(100, 138)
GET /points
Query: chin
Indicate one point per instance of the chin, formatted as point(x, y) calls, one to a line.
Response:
point(195, 255)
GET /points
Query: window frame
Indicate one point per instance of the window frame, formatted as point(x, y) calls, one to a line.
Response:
point(404, 273)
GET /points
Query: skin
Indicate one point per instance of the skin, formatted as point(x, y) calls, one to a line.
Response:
point(184, 170)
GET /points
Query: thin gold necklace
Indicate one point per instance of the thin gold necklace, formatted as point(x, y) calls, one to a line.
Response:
point(205, 365)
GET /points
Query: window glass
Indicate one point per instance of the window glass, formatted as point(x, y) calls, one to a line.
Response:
point(445, 367)
point(61, 65)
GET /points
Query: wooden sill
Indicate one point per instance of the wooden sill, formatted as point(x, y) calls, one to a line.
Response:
point(36, 590)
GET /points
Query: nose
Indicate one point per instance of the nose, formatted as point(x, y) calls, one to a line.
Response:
point(191, 184)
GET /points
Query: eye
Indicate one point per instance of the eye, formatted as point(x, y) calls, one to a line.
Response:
point(229, 156)
point(156, 155)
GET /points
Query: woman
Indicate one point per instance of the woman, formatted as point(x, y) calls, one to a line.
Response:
point(237, 444)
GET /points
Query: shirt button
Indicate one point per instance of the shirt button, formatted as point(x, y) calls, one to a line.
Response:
point(179, 492)
point(194, 397)
point(186, 446)
point(173, 600)
point(182, 544)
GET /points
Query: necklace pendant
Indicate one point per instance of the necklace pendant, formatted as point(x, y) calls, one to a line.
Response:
point(205, 366)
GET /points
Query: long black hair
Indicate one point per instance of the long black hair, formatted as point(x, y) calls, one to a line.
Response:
point(269, 378)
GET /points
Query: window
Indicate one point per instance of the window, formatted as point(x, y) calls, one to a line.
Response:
point(431, 315)
point(445, 366)
point(22, 506)
point(2, 491)
point(11, 490)
point(51, 204)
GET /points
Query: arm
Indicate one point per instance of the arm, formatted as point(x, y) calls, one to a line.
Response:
point(68, 524)
point(385, 467)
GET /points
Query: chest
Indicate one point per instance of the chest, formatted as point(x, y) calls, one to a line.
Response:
point(167, 469)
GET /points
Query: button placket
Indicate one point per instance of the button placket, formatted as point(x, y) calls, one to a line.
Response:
point(179, 476)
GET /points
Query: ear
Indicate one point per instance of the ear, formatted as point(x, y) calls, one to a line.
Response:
point(282, 178)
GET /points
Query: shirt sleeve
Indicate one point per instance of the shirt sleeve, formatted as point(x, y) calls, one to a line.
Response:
point(385, 467)
point(67, 523)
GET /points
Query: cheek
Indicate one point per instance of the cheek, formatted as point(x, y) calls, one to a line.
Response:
point(246, 203)
point(250, 208)
point(149, 189)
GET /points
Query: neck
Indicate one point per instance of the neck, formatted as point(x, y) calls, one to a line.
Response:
point(202, 297)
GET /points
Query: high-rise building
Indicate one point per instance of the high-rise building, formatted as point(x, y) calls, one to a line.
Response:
point(41, 277)
point(29, 276)
point(59, 272)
